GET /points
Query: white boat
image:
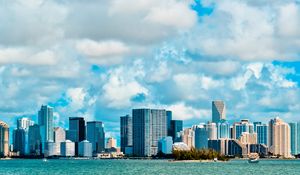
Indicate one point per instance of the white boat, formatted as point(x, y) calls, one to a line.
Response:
point(253, 158)
point(45, 160)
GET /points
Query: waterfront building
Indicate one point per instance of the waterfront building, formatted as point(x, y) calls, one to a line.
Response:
point(188, 137)
point(45, 120)
point(52, 149)
point(294, 135)
point(85, 149)
point(223, 130)
point(262, 134)
point(77, 127)
point(255, 124)
point(270, 132)
point(176, 128)
point(281, 139)
point(235, 148)
point(96, 135)
point(126, 132)
point(248, 138)
point(218, 111)
point(218, 145)
point(67, 148)
point(169, 119)
point(34, 140)
point(19, 137)
point(149, 126)
point(165, 145)
point(201, 137)
point(4, 139)
point(240, 127)
point(111, 143)
point(260, 149)
point(59, 136)
point(212, 131)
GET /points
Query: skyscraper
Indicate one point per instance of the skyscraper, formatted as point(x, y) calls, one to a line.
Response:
point(255, 125)
point(24, 123)
point(96, 135)
point(240, 127)
point(169, 118)
point(126, 132)
point(223, 130)
point(176, 128)
point(201, 137)
point(294, 135)
point(149, 126)
point(218, 111)
point(34, 140)
point(59, 137)
point(212, 131)
point(188, 137)
point(281, 139)
point(4, 139)
point(19, 136)
point(270, 131)
point(262, 134)
point(77, 127)
point(46, 124)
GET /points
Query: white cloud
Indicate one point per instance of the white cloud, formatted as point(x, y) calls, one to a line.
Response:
point(183, 112)
point(104, 52)
point(76, 97)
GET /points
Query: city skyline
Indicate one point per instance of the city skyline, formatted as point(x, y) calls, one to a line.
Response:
point(176, 55)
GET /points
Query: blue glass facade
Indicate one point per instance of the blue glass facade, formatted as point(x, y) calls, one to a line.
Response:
point(223, 130)
point(262, 134)
point(176, 128)
point(293, 127)
point(201, 137)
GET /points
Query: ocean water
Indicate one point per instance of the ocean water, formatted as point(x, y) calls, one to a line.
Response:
point(138, 167)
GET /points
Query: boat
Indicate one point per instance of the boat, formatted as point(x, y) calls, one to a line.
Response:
point(253, 158)
point(45, 160)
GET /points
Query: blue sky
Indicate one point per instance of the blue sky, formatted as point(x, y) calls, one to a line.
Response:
point(99, 59)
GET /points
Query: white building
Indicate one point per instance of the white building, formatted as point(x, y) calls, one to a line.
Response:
point(85, 149)
point(67, 148)
point(52, 149)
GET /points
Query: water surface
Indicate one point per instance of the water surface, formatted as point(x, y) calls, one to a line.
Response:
point(137, 167)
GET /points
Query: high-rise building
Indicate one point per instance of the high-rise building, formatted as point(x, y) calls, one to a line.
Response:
point(176, 129)
point(46, 124)
point(165, 145)
point(96, 135)
point(111, 143)
point(85, 149)
point(77, 127)
point(294, 135)
point(262, 134)
point(169, 118)
point(52, 149)
point(223, 129)
point(149, 126)
point(255, 124)
point(201, 136)
point(126, 132)
point(281, 139)
point(4, 139)
point(188, 137)
point(34, 140)
point(67, 148)
point(24, 123)
point(240, 127)
point(270, 132)
point(212, 131)
point(19, 136)
point(218, 111)
point(59, 136)
point(248, 138)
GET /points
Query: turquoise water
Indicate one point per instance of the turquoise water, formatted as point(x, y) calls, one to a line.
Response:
point(137, 167)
